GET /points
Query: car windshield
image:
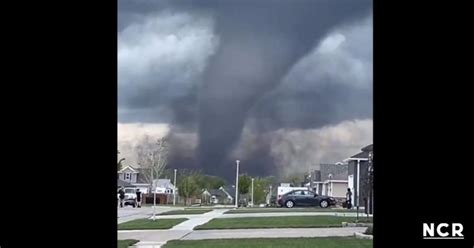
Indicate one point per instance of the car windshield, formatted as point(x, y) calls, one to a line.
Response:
point(129, 190)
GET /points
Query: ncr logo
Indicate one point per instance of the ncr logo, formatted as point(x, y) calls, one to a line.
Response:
point(443, 231)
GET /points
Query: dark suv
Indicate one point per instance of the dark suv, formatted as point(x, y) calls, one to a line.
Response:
point(305, 198)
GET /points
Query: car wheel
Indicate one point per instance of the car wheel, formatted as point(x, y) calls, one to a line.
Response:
point(289, 204)
point(324, 204)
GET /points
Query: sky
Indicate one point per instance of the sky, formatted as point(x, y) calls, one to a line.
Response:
point(283, 86)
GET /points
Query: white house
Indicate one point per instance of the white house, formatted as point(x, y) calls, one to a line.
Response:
point(330, 180)
point(164, 186)
point(134, 177)
point(128, 174)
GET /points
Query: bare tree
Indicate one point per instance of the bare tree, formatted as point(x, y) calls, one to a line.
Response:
point(119, 163)
point(152, 158)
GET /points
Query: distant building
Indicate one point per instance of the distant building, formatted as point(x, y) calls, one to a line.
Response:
point(330, 180)
point(218, 196)
point(135, 177)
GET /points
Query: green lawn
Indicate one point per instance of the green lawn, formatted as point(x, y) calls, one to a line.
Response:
point(278, 222)
point(126, 243)
point(142, 224)
point(187, 211)
point(272, 243)
point(284, 210)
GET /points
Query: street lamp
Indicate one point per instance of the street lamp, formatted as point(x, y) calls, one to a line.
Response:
point(270, 196)
point(175, 186)
point(370, 179)
point(237, 184)
point(252, 192)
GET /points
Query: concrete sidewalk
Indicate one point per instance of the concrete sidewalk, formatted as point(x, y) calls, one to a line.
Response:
point(273, 233)
point(199, 219)
point(151, 238)
point(157, 238)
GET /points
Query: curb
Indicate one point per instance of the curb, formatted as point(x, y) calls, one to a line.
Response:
point(146, 244)
point(350, 224)
point(363, 236)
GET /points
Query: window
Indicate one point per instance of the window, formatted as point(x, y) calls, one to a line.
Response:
point(127, 176)
point(308, 193)
point(299, 192)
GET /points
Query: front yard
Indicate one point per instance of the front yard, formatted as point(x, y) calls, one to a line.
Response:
point(272, 243)
point(278, 222)
point(142, 224)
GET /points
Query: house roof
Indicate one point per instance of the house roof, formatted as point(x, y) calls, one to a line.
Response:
point(164, 183)
point(368, 148)
point(129, 167)
point(217, 193)
point(229, 189)
point(334, 171)
point(123, 183)
point(361, 155)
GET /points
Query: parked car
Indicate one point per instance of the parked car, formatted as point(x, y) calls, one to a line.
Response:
point(130, 197)
point(305, 198)
point(285, 188)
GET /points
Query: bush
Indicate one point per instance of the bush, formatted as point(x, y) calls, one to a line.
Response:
point(369, 230)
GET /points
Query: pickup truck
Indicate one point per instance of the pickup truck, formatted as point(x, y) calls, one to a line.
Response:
point(130, 197)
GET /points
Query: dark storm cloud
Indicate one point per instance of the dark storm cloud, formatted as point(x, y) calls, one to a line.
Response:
point(259, 44)
point(256, 43)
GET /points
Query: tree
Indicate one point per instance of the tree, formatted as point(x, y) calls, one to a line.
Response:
point(214, 182)
point(211, 182)
point(261, 188)
point(119, 163)
point(153, 157)
point(294, 180)
point(244, 184)
point(188, 184)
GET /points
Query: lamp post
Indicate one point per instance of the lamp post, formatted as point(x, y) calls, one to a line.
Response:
point(152, 184)
point(270, 197)
point(175, 186)
point(237, 184)
point(252, 192)
point(358, 188)
point(371, 174)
